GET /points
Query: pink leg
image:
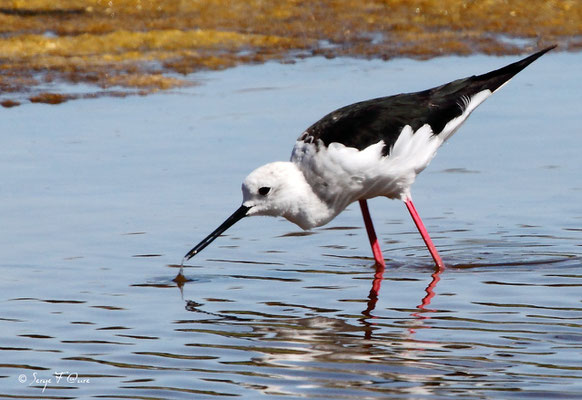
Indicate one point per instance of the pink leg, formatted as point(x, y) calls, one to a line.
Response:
point(427, 240)
point(378, 257)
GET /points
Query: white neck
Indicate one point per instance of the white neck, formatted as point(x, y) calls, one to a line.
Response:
point(306, 208)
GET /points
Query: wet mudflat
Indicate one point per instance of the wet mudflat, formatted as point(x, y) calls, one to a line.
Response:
point(128, 47)
point(101, 198)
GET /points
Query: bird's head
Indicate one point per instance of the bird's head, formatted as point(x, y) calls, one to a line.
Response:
point(272, 189)
point(275, 189)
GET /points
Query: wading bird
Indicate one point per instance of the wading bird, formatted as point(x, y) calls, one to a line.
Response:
point(364, 150)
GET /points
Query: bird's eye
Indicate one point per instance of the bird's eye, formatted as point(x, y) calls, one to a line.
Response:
point(264, 190)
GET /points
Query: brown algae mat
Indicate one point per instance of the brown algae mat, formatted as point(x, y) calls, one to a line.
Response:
point(122, 47)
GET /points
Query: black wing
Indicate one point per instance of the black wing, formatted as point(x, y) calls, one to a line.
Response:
point(365, 123)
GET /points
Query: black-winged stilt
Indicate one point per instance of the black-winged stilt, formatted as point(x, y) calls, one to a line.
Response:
point(364, 150)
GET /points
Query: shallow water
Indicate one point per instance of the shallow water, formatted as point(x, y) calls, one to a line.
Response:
point(102, 198)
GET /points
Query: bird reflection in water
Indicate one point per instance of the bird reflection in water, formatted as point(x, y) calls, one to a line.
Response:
point(373, 295)
point(375, 291)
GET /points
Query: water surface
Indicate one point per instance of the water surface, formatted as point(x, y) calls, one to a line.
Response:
point(101, 198)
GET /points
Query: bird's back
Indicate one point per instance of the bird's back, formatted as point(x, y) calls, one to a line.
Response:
point(365, 123)
point(400, 132)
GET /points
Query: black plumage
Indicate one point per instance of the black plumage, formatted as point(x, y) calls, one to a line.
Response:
point(367, 122)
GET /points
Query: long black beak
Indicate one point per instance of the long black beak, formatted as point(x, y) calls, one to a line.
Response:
point(230, 221)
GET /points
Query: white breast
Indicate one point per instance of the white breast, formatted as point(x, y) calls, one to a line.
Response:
point(341, 175)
